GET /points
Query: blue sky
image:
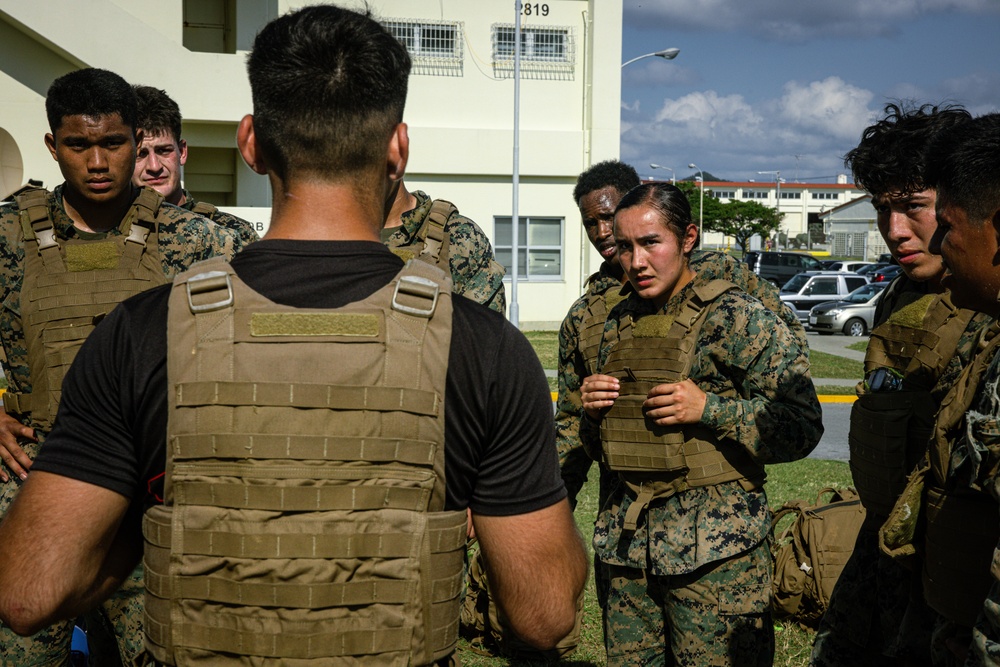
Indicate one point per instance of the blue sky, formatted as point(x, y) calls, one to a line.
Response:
point(758, 83)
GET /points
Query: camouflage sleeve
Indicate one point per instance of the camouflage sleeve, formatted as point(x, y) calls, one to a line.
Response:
point(574, 462)
point(767, 293)
point(186, 238)
point(474, 270)
point(777, 416)
point(245, 232)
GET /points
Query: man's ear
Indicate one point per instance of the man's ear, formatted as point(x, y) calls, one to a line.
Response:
point(246, 141)
point(139, 136)
point(50, 143)
point(183, 145)
point(398, 153)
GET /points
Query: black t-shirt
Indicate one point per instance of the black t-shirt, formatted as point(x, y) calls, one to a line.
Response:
point(500, 456)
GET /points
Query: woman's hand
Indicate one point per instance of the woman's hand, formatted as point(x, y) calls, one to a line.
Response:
point(675, 403)
point(598, 393)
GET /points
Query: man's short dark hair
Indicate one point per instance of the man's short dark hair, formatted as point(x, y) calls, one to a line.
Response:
point(90, 92)
point(158, 113)
point(965, 167)
point(329, 87)
point(608, 174)
point(892, 155)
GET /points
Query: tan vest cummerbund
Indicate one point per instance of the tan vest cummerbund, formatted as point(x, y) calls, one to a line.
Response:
point(659, 461)
point(592, 328)
point(304, 516)
point(69, 285)
point(890, 431)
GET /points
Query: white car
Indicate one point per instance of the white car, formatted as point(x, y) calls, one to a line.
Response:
point(847, 267)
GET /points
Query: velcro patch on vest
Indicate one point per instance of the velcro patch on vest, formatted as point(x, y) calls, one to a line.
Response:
point(314, 324)
point(912, 314)
point(613, 298)
point(652, 326)
point(404, 254)
point(92, 256)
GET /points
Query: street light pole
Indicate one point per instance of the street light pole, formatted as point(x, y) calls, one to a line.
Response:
point(673, 180)
point(701, 203)
point(777, 191)
point(666, 54)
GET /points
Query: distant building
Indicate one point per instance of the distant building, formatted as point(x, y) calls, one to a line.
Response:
point(460, 110)
point(852, 230)
point(801, 203)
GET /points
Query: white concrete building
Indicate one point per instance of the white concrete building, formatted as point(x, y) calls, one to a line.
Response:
point(460, 108)
point(801, 203)
point(853, 230)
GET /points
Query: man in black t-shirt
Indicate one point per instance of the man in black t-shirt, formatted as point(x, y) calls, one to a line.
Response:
point(328, 87)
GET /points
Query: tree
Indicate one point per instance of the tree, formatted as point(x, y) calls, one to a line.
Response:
point(744, 219)
point(713, 206)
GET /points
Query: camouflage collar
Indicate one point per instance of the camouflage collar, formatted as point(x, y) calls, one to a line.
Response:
point(414, 218)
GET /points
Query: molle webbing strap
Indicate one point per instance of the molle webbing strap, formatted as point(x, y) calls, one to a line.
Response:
point(435, 237)
point(37, 226)
point(305, 446)
point(592, 330)
point(961, 535)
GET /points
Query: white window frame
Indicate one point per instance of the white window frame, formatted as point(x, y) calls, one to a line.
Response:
point(539, 57)
point(419, 38)
point(526, 249)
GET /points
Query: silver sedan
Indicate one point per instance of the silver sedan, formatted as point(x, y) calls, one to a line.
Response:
point(853, 315)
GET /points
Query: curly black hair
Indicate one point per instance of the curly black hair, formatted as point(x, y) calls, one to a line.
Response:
point(892, 155)
point(610, 173)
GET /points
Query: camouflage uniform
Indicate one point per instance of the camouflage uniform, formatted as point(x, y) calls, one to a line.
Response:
point(246, 231)
point(184, 238)
point(693, 581)
point(574, 461)
point(475, 273)
point(876, 612)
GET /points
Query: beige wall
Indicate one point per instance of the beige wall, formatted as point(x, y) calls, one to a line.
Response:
point(460, 125)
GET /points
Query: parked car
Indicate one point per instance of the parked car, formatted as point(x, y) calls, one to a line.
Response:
point(886, 274)
point(779, 267)
point(853, 316)
point(847, 266)
point(870, 268)
point(812, 288)
point(827, 264)
point(886, 258)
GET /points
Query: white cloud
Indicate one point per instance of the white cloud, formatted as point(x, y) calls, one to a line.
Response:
point(830, 106)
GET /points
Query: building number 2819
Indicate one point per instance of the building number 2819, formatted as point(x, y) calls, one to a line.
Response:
point(536, 9)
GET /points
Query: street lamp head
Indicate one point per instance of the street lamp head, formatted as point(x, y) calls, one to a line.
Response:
point(692, 166)
point(667, 54)
point(654, 166)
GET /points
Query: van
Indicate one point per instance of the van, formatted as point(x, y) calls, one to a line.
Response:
point(811, 288)
point(779, 267)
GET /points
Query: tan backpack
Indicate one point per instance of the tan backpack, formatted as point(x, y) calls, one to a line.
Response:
point(810, 553)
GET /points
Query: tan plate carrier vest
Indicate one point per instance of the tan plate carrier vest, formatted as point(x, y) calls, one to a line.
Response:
point(659, 461)
point(433, 243)
point(961, 530)
point(304, 516)
point(68, 287)
point(205, 209)
point(890, 431)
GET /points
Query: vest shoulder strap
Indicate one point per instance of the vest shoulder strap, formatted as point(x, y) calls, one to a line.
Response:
point(432, 232)
point(204, 208)
point(33, 208)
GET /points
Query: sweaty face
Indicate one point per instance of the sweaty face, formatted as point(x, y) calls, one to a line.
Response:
point(96, 155)
point(597, 209)
point(653, 258)
point(158, 165)
point(907, 223)
point(971, 253)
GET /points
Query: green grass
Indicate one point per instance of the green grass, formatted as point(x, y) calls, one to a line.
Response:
point(546, 344)
point(834, 390)
point(823, 365)
point(860, 346)
point(801, 479)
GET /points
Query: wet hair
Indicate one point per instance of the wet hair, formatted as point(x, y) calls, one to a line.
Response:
point(90, 92)
point(158, 113)
point(667, 200)
point(329, 87)
point(892, 155)
point(608, 174)
point(965, 167)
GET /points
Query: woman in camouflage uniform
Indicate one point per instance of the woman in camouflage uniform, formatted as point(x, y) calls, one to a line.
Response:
point(700, 386)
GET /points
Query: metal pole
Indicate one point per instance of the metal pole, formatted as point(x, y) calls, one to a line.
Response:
point(514, 218)
point(701, 205)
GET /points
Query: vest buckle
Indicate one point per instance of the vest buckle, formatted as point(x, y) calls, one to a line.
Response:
point(420, 288)
point(204, 283)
